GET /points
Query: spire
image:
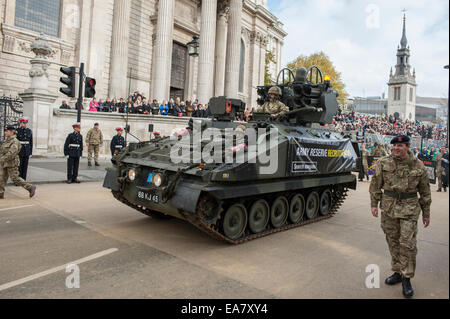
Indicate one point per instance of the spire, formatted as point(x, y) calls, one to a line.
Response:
point(403, 41)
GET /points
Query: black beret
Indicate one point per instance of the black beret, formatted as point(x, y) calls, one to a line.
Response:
point(401, 139)
point(10, 128)
point(95, 124)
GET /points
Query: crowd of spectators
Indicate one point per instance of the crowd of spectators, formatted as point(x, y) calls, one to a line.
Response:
point(387, 125)
point(136, 103)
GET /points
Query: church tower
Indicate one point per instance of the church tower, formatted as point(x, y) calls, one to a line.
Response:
point(402, 85)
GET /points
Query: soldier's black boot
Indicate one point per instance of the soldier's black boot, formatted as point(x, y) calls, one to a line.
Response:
point(32, 191)
point(395, 278)
point(69, 181)
point(2, 196)
point(439, 190)
point(407, 288)
point(97, 164)
point(89, 164)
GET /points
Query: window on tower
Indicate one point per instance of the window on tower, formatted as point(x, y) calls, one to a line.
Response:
point(411, 91)
point(396, 94)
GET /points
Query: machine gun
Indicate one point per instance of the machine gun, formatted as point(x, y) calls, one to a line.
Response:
point(309, 96)
point(226, 109)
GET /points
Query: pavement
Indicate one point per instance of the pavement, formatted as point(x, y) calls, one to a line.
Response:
point(124, 254)
point(48, 170)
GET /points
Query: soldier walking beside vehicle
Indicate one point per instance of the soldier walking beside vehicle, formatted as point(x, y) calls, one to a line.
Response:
point(401, 176)
point(25, 137)
point(73, 149)
point(94, 140)
point(9, 163)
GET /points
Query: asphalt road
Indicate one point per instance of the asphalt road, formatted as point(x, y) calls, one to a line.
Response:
point(124, 254)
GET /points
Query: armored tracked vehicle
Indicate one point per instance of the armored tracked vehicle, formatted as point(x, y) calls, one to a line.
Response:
point(238, 181)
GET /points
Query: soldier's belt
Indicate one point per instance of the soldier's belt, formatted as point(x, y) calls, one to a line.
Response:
point(400, 195)
point(22, 142)
point(74, 145)
point(118, 146)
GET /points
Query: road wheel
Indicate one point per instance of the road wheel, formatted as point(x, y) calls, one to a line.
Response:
point(279, 212)
point(312, 205)
point(258, 216)
point(297, 208)
point(325, 202)
point(234, 221)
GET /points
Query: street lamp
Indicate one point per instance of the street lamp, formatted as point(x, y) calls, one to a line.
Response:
point(448, 106)
point(193, 46)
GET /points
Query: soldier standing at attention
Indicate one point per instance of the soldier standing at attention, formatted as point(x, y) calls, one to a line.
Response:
point(365, 154)
point(401, 176)
point(378, 150)
point(94, 139)
point(9, 163)
point(117, 142)
point(439, 168)
point(73, 149)
point(274, 105)
point(25, 137)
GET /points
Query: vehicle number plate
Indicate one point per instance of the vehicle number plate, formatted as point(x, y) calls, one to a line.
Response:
point(148, 196)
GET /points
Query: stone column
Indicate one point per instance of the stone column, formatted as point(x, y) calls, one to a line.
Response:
point(163, 50)
point(207, 49)
point(37, 101)
point(233, 49)
point(221, 49)
point(119, 49)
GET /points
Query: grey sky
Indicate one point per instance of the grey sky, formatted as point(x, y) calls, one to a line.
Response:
point(361, 39)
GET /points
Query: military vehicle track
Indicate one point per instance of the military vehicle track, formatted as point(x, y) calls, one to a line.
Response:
point(213, 229)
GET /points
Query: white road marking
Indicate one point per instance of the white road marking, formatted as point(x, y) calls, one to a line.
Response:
point(56, 269)
point(17, 207)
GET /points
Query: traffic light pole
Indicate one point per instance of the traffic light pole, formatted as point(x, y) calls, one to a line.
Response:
point(80, 93)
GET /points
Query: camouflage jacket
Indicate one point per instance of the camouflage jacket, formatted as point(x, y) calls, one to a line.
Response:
point(9, 152)
point(94, 137)
point(401, 176)
point(379, 151)
point(275, 107)
point(439, 168)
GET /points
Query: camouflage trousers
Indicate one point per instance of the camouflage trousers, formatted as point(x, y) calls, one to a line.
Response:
point(93, 149)
point(401, 234)
point(366, 169)
point(13, 173)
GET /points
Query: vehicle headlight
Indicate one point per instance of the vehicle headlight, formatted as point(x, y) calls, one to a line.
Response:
point(131, 174)
point(157, 180)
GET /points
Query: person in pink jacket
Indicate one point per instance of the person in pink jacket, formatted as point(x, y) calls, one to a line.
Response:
point(93, 105)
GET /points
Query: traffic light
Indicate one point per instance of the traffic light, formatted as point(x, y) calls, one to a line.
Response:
point(89, 87)
point(69, 81)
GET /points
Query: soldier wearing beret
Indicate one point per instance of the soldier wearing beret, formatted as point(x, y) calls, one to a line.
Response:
point(401, 176)
point(9, 162)
point(73, 149)
point(25, 137)
point(117, 142)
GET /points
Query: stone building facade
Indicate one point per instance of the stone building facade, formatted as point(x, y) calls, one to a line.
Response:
point(130, 45)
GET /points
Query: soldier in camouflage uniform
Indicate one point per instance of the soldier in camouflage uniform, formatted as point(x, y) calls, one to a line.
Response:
point(9, 163)
point(365, 154)
point(401, 176)
point(378, 150)
point(274, 105)
point(94, 140)
point(439, 168)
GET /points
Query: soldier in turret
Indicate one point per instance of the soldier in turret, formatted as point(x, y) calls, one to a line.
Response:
point(274, 106)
